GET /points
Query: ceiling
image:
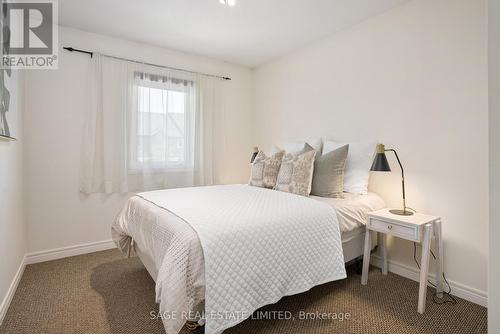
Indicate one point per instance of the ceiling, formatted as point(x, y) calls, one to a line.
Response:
point(250, 33)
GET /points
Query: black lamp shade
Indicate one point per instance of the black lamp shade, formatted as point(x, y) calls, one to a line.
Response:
point(380, 163)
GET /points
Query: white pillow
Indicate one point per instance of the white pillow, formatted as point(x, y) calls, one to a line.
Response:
point(298, 146)
point(357, 168)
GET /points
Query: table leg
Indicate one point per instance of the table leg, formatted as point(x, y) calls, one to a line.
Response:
point(383, 251)
point(439, 258)
point(366, 257)
point(424, 267)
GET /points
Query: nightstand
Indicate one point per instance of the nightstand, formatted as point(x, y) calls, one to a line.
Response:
point(418, 228)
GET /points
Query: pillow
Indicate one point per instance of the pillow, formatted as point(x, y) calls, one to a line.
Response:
point(297, 147)
point(357, 168)
point(265, 169)
point(306, 148)
point(296, 173)
point(328, 179)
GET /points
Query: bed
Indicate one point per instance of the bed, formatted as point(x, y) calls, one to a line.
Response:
point(168, 232)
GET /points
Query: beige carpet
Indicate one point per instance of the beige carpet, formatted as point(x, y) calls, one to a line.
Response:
point(106, 293)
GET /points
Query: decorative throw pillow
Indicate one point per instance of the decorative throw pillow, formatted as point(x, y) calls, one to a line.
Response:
point(357, 168)
point(328, 179)
point(296, 173)
point(265, 169)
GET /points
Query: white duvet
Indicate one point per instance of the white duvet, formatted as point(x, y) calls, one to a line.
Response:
point(258, 246)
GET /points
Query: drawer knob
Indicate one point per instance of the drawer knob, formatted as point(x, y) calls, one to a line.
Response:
point(389, 227)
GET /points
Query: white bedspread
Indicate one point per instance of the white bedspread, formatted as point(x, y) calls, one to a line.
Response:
point(259, 245)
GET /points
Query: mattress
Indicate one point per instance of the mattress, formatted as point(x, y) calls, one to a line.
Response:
point(352, 210)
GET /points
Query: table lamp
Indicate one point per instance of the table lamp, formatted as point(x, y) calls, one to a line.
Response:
point(380, 164)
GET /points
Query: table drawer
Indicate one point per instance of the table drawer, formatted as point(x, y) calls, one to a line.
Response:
point(402, 231)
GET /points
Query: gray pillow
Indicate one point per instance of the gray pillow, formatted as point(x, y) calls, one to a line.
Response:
point(328, 179)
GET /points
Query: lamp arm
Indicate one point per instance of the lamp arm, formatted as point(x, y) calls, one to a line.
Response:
point(402, 177)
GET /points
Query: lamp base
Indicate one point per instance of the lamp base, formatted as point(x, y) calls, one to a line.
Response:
point(401, 212)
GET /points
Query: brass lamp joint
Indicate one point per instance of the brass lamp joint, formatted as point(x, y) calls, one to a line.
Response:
point(380, 148)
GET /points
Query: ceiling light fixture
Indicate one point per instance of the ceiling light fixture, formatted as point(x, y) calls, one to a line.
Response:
point(230, 3)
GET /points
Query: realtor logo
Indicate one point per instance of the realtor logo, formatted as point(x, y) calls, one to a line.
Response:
point(29, 34)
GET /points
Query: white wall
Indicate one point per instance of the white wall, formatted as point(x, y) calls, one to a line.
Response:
point(56, 213)
point(12, 226)
point(416, 79)
point(494, 99)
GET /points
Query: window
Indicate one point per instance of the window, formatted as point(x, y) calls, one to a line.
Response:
point(161, 124)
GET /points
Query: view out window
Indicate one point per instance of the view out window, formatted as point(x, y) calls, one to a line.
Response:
point(160, 126)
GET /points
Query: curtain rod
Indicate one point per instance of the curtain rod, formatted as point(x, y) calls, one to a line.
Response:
point(90, 53)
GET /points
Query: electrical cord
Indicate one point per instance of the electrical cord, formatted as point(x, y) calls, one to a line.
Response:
point(436, 300)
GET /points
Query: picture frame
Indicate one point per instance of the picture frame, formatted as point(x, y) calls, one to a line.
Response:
point(8, 116)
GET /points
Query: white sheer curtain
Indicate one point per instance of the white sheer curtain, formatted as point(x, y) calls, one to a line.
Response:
point(150, 128)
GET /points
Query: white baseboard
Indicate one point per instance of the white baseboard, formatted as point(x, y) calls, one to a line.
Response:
point(59, 253)
point(460, 290)
point(12, 289)
point(49, 255)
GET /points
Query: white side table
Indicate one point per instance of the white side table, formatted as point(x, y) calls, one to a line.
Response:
point(418, 228)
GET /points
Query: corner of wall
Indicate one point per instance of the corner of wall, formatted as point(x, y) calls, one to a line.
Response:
point(13, 244)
